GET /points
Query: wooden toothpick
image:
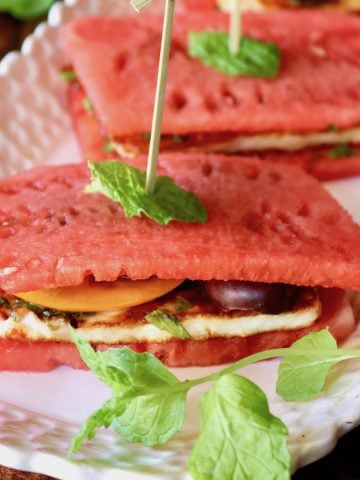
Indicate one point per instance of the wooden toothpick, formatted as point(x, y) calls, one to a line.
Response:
point(235, 27)
point(160, 96)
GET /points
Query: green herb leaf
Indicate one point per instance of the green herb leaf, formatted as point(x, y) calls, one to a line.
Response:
point(182, 304)
point(342, 150)
point(109, 146)
point(166, 321)
point(152, 417)
point(126, 184)
point(147, 405)
point(68, 75)
point(332, 128)
point(177, 139)
point(101, 418)
point(254, 58)
point(104, 364)
point(4, 302)
point(239, 437)
point(88, 106)
point(301, 377)
point(23, 9)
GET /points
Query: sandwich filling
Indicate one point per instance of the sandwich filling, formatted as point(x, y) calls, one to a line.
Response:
point(201, 312)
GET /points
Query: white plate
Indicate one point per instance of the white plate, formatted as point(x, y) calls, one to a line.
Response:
point(40, 413)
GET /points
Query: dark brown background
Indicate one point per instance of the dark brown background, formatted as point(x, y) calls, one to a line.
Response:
point(342, 464)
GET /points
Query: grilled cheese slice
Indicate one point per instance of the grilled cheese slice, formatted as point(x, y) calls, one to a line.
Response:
point(127, 326)
point(284, 141)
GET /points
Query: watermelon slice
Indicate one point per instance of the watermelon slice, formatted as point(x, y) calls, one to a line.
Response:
point(318, 84)
point(93, 142)
point(267, 223)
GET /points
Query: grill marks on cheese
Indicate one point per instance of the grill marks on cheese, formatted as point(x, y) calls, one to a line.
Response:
point(203, 321)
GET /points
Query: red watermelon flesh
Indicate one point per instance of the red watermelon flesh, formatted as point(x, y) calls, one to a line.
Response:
point(266, 223)
point(314, 160)
point(38, 356)
point(318, 83)
point(192, 5)
point(317, 162)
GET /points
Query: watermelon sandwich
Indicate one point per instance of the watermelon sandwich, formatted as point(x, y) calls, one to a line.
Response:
point(350, 5)
point(308, 114)
point(270, 264)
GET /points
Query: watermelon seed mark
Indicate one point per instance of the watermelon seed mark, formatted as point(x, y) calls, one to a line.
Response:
point(178, 101)
point(206, 169)
point(259, 95)
point(251, 172)
point(7, 190)
point(304, 211)
point(265, 207)
point(353, 93)
point(274, 177)
point(228, 97)
point(121, 61)
point(113, 209)
point(62, 220)
point(330, 218)
point(177, 48)
point(93, 210)
point(74, 212)
point(211, 105)
point(253, 222)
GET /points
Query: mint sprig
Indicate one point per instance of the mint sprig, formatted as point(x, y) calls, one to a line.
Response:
point(125, 184)
point(238, 432)
point(254, 58)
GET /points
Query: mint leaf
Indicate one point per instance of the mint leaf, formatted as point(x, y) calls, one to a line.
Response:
point(101, 418)
point(239, 436)
point(152, 418)
point(126, 184)
point(255, 58)
point(148, 403)
point(182, 304)
point(342, 150)
point(23, 9)
point(300, 377)
point(104, 364)
point(155, 400)
point(167, 321)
